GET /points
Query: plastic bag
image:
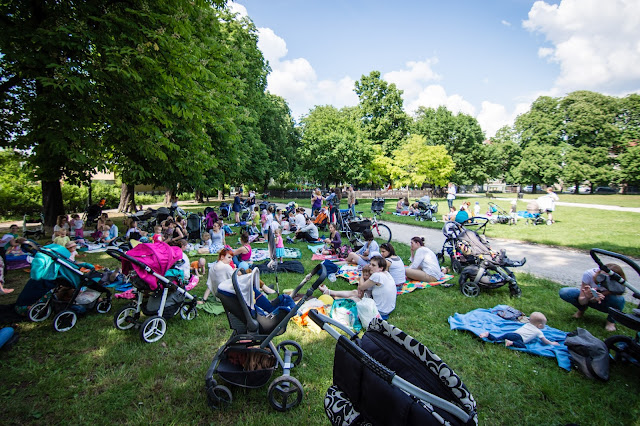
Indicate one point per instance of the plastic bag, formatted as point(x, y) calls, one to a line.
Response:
point(345, 312)
point(367, 311)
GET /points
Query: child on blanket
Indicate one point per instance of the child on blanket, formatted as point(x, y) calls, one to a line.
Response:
point(524, 334)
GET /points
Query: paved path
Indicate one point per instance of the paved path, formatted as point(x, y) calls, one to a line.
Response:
point(583, 205)
point(560, 264)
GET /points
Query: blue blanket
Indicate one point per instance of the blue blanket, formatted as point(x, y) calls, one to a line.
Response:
point(481, 320)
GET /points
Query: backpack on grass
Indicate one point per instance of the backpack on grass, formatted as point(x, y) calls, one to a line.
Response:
point(589, 354)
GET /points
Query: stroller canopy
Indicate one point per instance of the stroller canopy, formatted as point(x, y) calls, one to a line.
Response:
point(47, 267)
point(160, 257)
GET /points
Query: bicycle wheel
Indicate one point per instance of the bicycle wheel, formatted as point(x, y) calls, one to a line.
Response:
point(382, 232)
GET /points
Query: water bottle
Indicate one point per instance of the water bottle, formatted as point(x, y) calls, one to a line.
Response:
point(332, 278)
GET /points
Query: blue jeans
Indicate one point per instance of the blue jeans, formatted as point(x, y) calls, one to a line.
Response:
point(450, 203)
point(515, 338)
point(571, 294)
point(5, 335)
point(353, 210)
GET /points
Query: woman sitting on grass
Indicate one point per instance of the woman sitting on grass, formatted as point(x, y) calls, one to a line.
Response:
point(424, 263)
point(395, 263)
point(332, 245)
point(380, 283)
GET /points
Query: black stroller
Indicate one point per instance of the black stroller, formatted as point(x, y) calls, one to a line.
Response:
point(491, 268)
point(249, 358)
point(377, 205)
point(622, 348)
point(33, 225)
point(426, 209)
point(194, 227)
point(159, 285)
point(388, 365)
point(78, 290)
point(225, 210)
point(499, 215)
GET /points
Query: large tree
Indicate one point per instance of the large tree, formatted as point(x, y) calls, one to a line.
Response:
point(333, 149)
point(381, 107)
point(503, 153)
point(416, 163)
point(461, 135)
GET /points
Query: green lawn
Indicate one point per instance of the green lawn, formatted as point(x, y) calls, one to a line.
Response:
point(621, 200)
point(95, 372)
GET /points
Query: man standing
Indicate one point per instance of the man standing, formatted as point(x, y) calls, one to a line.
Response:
point(451, 194)
point(351, 200)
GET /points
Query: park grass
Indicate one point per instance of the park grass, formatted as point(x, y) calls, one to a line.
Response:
point(97, 374)
point(622, 200)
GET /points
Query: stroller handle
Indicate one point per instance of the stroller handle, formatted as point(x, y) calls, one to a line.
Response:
point(594, 255)
point(321, 270)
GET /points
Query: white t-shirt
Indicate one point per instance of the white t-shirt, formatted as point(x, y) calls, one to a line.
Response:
point(384, 292)
point(300, 220)
point(427, 261)
point(219, 273)
point(529, 332)
point(397, 270)
point(451, 193)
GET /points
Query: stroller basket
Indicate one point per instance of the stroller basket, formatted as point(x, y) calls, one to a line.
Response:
point(377, 205)
point(249, 367)
point(360, 225)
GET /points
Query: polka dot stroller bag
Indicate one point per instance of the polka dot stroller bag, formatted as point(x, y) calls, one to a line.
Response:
point(387, 377)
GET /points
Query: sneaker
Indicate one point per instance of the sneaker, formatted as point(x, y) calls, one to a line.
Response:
point(290, 240)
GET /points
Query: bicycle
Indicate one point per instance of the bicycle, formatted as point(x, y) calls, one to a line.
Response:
point(352, 227)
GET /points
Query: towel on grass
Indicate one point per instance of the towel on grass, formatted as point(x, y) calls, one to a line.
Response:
point(331, 257)
point(315, 248)
point(481, 320)
point(212, 306)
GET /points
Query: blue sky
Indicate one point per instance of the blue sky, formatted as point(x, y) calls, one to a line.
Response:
point(489, 59)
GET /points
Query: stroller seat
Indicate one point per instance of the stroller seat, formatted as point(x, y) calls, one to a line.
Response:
point(264, 315)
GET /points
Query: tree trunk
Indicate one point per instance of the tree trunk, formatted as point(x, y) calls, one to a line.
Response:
point(220, 195)
point(168, 195)
point(52, 205)
point(127, 198)
point(199, 197)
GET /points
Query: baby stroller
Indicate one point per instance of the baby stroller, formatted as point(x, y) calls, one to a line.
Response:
point(426, 210)
point(290, 208)
point(387, 365)
point(533, 214)
point(377, 205)
point(151, 269)
point(224, 210)
point(33, 225)
point(162, 214)
point(249, 358)
point(210, 216)
point(146, 219)
point(245, 212)
point(498, 215)
point(622, 348)
point(454, 233)
point(78, 289)
point(194, 227)
point(490, 269)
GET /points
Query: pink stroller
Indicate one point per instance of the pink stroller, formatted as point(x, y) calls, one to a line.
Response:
point(152, 269)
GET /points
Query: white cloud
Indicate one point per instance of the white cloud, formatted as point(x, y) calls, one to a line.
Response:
point(296, 80)
point(595, 42)
point(494, 116)
point(505, 23)
point(434, 96)
point(238, 8)
point(412, 79)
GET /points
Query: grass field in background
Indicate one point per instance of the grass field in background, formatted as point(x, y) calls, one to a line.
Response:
point(97, 374)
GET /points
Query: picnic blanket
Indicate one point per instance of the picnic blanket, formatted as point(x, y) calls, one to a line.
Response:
point(258, 255)
point(481, 320)
point(352, 275)
point(314, 248)
point(96, 248)
point(331, 257)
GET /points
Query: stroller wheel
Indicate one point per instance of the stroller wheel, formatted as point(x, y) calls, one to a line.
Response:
point(39, 312)
point(285, 392)
point(618, 347)
point(125, 318)
point(515, 291)
point(188, 312)
point(456, 265)
point(103, 306)
point(293, 347)
point(153, 329)
point(64, 321)
point(219, 396)
point(470, 289)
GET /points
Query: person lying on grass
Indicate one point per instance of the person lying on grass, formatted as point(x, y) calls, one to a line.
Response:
point(525, 334)
point(380, 283)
